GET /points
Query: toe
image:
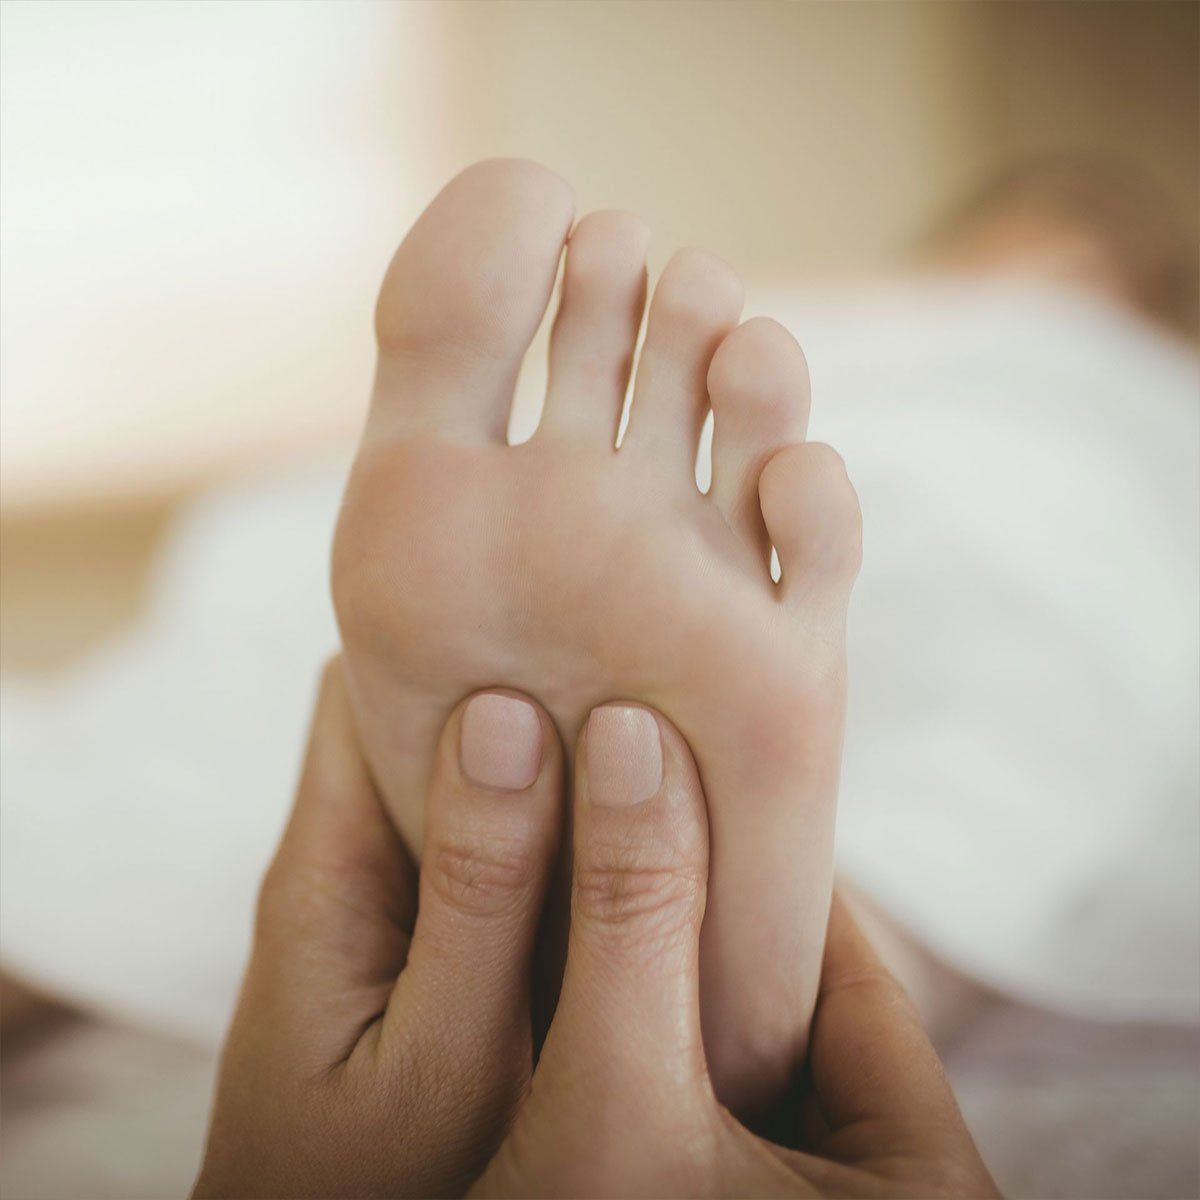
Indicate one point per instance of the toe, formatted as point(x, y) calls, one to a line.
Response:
point(813, 519)
point(697, 302)
point(758, 385)
point(464, 296)
point(595, 332)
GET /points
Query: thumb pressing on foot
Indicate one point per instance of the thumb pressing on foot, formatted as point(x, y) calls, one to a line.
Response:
point(622, 1073)
point(640, 877)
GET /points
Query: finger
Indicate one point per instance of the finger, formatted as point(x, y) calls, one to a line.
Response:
point(873, 1068)
point(338, 901)
point(629, 1009)
point(493, 818)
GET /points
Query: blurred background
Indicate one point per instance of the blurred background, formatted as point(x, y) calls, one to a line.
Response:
point(198, 201)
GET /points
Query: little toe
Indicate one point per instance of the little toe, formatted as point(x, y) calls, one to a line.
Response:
point(813, 518)
point(758, 385)
point(697, 302)
point(595, 331)
point(464, 296)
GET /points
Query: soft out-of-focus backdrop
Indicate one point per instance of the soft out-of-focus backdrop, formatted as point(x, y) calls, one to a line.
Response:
point(198, 200)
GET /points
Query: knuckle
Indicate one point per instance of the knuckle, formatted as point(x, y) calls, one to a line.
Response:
point(476, 881)
point(639, 903)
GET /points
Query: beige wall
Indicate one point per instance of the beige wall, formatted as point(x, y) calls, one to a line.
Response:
point(1119, 78)
point(801, 137)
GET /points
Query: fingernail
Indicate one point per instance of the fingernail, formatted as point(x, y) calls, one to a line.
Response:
point(624, 756)
point(500, 744)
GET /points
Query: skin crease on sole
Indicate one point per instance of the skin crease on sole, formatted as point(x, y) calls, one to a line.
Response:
point(579, 573)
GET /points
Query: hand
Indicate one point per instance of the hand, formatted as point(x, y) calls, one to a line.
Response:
point(368, 1060)
point(621, 1104)
point(381, 1046)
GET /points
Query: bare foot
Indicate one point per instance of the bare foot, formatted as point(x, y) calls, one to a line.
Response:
point(580, 573)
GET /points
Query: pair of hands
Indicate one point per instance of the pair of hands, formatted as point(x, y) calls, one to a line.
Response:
point(383, 1041)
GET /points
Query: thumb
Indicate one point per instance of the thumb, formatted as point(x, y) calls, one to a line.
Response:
point(631, 986)
point(622, 1073)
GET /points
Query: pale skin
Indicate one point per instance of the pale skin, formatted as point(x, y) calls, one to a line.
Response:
point(577, 572)
point(381, 1048)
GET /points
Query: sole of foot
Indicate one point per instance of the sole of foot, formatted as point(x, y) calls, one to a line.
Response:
point(581, 573)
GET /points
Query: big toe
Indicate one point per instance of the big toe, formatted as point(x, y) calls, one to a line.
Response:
point(464, 295)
